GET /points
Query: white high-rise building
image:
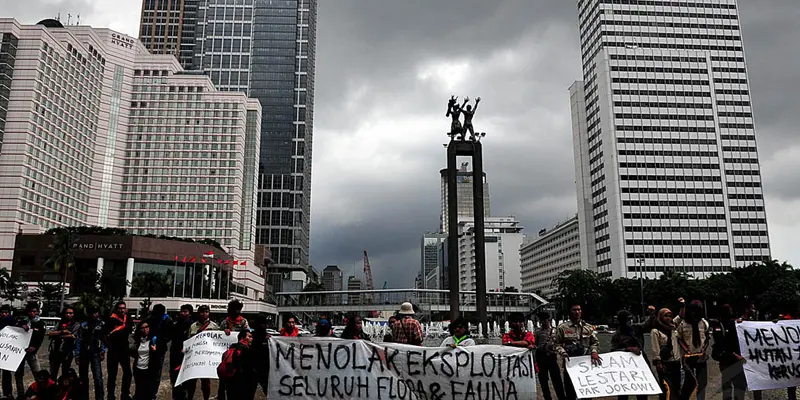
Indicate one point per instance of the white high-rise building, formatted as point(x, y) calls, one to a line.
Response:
point(548, 254)
point(99, 132)
point(665, 153)
point(503, 240)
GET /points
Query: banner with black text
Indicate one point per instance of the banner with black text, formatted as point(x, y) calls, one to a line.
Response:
point(323, 368)
point(13, 342)
point(620, 373)
point(202, 353)
point(772, 353)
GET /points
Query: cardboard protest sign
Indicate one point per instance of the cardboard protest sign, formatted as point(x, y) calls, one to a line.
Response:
point(772, 353)
point(621, 373)
point(13, 342)
point(326, 368)
point(202, 354)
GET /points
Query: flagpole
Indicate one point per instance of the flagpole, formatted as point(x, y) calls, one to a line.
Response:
point(219, 283)
point(174, 276)
point(230, 275)
point(183, 292)
point(201, 281)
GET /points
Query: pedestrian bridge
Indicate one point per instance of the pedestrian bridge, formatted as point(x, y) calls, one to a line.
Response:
point(389, 300)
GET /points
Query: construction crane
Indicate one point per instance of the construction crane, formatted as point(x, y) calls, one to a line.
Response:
point(368, 277)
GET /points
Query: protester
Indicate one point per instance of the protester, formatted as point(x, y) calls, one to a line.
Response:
point(459, 335)
point(354, 329)
point(576, 338)
point(71, 387)
point(693, 333)
point(161, 327)
point(91, 351)
point(7, 320)
point(390, 323)
point(260, 350)
point(625, 340)
point(726, 352)
point(289, 328)
point(62, 342)
point(323, 328)
point(518, 336)
point(118, 330)
point(751, 314)
point(234, 321)
point(203, 323)
point(664, 342)
point(407, 330)
point(547, 357)
point(30, 322)
point(239, 362)
point(144, 362)
point(42, 388)
point(180, 332)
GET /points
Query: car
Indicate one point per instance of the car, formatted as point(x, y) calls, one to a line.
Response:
point(273, 332)
point(303, 332)
point(338, 330)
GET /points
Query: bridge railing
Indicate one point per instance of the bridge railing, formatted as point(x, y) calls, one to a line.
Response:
point(390, 299)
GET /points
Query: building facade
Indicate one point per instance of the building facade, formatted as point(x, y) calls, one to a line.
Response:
point(503, 239)
point(102, 133)
point(544, 257)
point(465, 196)
point(432, 262)
point(332, 278)
point(665, 149)
point(168, 27)
point(265, 48)
point(355, 286)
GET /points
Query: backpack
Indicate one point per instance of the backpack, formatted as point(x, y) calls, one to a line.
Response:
point(230, 364)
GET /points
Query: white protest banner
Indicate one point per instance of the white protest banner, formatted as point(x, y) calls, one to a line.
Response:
point(202, 353)
point(621, 373)
point(772, 353)
point(327, 368)
point(13, 342)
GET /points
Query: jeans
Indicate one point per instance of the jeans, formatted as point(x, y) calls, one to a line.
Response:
point(699, 371)
point(8, 387)
point(33, 363)
point(145, 388)
point(60, 361)
point(115, 360)
point(85, 361)
point(734, 383)
point(548, 369)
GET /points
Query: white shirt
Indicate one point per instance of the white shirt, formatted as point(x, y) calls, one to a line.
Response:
point(449, 341)
point(143, 355)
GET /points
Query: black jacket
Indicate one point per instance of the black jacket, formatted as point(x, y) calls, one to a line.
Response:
point(180, 332)
point(118, 334)
point(260, 350)
point(726, 342)
point(37, 331)
point(91, 338)
point(161, 328)
point(246, 362)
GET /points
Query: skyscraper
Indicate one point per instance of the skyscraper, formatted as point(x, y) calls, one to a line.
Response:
point(665, 153)
point(332, 278)
point(465, 196)
point(168, 27)
point(265, 48)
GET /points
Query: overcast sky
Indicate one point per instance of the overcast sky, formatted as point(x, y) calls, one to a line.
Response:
point(385, 69)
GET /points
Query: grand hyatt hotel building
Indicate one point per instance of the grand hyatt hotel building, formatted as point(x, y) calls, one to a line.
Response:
point(96, 131)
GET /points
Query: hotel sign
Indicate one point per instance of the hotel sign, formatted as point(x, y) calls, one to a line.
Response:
point(98, 246)
point(122, 40)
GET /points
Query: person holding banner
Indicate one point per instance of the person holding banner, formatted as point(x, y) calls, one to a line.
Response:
point(547, 357)
point(667, 360)
point(6, 320)
point(625, 340)
point(576, 338)
point(289, 328)
point(727, 353)
point(118, 330)
point(459, 335)
point(354, 329)
point(30, 322)
point(407, 330)
point(203, 323)
point(323, 328)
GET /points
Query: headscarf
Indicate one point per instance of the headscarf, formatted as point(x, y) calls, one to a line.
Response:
point(665, 328)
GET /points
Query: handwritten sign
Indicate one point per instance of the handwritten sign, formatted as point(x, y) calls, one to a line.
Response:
point(202, 354)
point(13, 342)
point(772, 351)
point(621, 373)
point(327, 368)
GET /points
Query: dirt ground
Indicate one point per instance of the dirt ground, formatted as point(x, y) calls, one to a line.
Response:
point(165, 392)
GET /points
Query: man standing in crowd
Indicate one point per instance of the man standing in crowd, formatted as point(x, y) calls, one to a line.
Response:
point(726, 352)
point(161, 326)
point(625, 339)
point(260, 351)
point(6, 320)
point(407, 330)
point(289, 328)
point(118, 330)
point(180, 332)
point(62, 342)
point(576, 338)
point(242, 385)
point(30, 322)
point(233, 322)
point(547, 358)
point(203, 323)
point(91, 351)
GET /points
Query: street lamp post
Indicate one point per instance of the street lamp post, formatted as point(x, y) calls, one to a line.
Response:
point(503, 284)
point(640, 263)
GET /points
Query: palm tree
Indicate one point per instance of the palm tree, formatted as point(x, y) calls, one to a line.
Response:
point(5, 279)
point(63, 257)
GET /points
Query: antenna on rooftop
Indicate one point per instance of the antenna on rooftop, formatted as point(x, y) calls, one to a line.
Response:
point(79, 20)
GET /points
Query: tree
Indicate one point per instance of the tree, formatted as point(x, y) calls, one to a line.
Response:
point(581, 286)
point(5, 278)
point(144, 308)
point(13, 291)
point(49, 294)
point(308, 299)
point(63, 257)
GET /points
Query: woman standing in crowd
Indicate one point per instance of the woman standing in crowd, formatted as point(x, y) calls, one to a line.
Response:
point(353, 329)
point(144, 360)
point(693, 336)
point(459, 335)
point(290, 327)
point(666, 357)
point(323, 328)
